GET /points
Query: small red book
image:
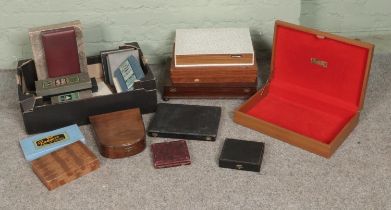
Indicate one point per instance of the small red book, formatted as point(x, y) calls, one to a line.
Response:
point(61, 52)
point(170, 154)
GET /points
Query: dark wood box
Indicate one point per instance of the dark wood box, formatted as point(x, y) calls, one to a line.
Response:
point(119, 134)
point(41, 117)
point(214, 74)
point(209, 91)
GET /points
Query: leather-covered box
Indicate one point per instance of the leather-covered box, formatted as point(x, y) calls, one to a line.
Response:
point(182, 121)
point(170, 154)
point(39, 115)
point(315, 92)
point(241, 155)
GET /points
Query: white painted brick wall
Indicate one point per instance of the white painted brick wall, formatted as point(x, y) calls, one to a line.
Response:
point(355, 18)
point(152, 23)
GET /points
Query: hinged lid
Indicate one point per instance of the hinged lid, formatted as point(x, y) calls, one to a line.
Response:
point(329, 66)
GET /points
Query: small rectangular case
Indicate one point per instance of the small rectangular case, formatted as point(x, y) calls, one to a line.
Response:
point(127, 74)
point(119, 134)
point(170, 154)
point(39, 145)
point(65, 165)
point(112, 59)
point(241, 155)
point(61, 52)
point(182, 121)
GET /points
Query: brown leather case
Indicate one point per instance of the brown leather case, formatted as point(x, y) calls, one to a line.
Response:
point(119, 134)
point(61, 53)
point(170, 154)
point(65, 165)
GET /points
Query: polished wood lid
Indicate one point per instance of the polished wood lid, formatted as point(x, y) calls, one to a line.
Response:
point(118, 129)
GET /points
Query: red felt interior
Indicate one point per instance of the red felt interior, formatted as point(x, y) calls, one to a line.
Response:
point(306, 98)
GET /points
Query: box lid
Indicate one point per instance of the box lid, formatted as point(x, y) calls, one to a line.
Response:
point(170, 154)
point(119, 129)
point(36, 146)
point(241, 154)
point(330, 67)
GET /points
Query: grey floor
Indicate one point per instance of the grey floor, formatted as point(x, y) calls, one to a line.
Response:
point(358, 176)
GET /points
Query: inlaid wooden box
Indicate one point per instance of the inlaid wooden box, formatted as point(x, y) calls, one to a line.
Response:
point(65, 165)
point(315, 92)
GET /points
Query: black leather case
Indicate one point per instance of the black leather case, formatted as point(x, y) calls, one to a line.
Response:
point(241, 155)
point(185, 122)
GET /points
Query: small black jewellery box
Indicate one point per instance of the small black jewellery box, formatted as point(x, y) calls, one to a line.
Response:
point(241, 155)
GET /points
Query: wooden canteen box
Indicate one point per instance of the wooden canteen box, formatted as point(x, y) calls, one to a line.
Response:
point(315, 92)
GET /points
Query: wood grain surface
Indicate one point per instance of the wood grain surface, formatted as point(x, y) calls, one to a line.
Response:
point(214, 74)
point(119, 134)
point(217, 59)
point(171, 91)
point(291, 137)
point(65, 165)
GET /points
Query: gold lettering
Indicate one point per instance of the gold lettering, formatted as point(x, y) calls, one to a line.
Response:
point(50, 140)
point(321, 63)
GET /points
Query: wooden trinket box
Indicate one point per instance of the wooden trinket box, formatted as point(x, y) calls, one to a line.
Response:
point(182, 121)
point(119, 134)
point(315, 92)
point(65, 165)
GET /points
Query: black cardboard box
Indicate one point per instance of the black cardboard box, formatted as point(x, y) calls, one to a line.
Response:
point(40, 116)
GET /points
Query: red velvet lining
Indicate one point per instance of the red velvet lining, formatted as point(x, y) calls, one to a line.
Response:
point(307, 98)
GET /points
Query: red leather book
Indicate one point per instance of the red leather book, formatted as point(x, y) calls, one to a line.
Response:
point(170, 154)
point(61, 52)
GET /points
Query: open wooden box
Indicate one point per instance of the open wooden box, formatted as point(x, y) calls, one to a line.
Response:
point(315, 92)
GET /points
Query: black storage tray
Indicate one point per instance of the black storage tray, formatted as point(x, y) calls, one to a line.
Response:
point(51, 116)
